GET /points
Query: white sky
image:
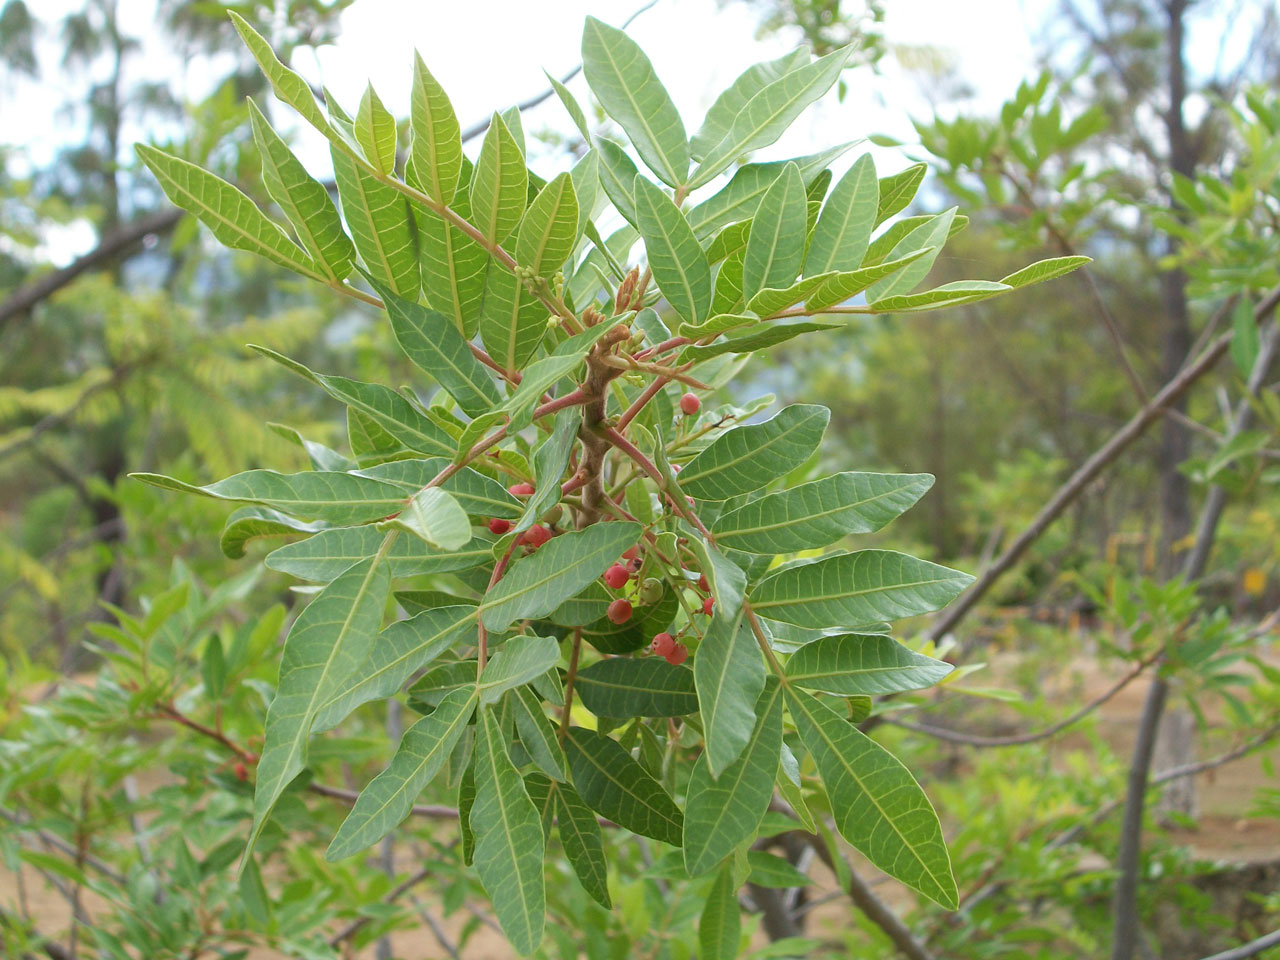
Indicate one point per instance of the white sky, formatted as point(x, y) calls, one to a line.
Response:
point(490, 53)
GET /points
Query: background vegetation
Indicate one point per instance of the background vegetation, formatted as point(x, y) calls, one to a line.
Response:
point(1105, 451)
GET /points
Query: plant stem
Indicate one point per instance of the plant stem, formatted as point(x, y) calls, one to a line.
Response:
point(569, 680)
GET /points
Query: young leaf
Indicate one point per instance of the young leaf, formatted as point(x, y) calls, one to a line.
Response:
point(571, 106)
point(330, 640)
point(536, 585)
point(766, 115)
point(549, 463)
point(1043, 270)
point(726, 579)
point(622, 687)
point(775, 247)
point(675, 256)
point(615, 786)
point(304, 201)
point(380, 225)
point(771, 300)
point(399, 651)
point(840, 287)
point(549, 230)
point(230, 215)
point(820, 513)
point(517, 661)
point(729, 675)
point(375, 131)
point(624, 81)
point(947, 295)
point(437, 518)
point(434, 344)
point(618, 177)
point(723, 812)
point(932, 233)
point(537, 735)
point(856, 588)
point(314, 495)
point(730, 103)
point(509, 842)
point(386, 801)
point(850, 665)
point(500, 183)
point(897, 190)
point(250, 523)
point(844, 229)
point(720, 925)
point(436, 145)
point(878, 806)
point(745, 458)
point(329, 552)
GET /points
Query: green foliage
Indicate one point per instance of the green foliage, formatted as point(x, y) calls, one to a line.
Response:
point(583, 405)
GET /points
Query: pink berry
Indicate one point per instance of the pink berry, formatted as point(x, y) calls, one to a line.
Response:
point(617, 576)
point(520, 489)
point(663, 644)
point(619, 611)
point(535, 536)
point(499, 526)
point(678, 655)
point(690, 404)
point(708, 605)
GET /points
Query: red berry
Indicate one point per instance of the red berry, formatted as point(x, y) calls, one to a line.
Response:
point(702, 583)
point(690, 404)
point(520, 489)
point(631, 554)
point(535, 536)
point(678, 655)
point(619, 611)
point(499, 526)
point(242, 772)
point(617, 576)
point(663, 644)
point(707, 605)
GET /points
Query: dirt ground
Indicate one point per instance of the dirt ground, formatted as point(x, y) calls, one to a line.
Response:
point(1224, 831)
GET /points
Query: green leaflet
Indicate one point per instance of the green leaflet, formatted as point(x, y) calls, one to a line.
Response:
point(230, 215)
point(313, 495)
point(1043, 270)
point(618, 177)
point(330, 640)
point(517, 661)
point(743, 459)
point(728, 294)
point(466, 801)
point(730, 103)
point(678, 263)
point(738, 199)
point(399, 651)
point(453, 263)
point(932, 233)
point(321, 457)
point(387, 800)
point(375, 132)
point(775, 246)
point(897, 190)
point(850, 665)
point(509, 842)
point(772, 300)
point(947, 295)
point(436, 517)
point(761, 339)
point(304, 201)
point(843, 232)
point(537, 735)
point(624, 81)
point(727, 580)
point(583, 844)
point(854, 588)
point(720, 925)
point(500, 183)
point(729, 675)
point(427, 691)
point(329, 552)
point(841, 286)
point(615, 786)
point(435, 147)
point(380, 224)
point(770, 870)
point(288, 86)
point(536, 585)
point(250, 523)
point(819, 513)
point(435, 345)
point(479, 495)
point(623, 687)
point(767, 114)
point(878, 806)
point(571, 106)
point(723, 812)
point(549, 463)
point(585, 175)
point(549, 230)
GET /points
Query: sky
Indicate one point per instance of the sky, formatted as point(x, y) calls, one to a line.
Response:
point(491, 54)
